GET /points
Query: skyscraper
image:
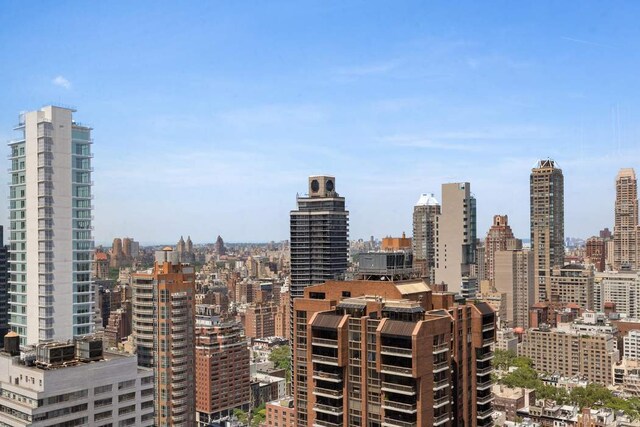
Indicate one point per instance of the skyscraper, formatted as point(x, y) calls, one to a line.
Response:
point(513, 276)
point(163, 330)
point(50, 216)
point(319, 236)
point(625, 230)
point(547, 223)
point(456, 239)
point(424, 231)
point(499, 238)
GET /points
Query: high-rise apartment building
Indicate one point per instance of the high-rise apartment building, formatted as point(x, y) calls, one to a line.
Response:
point(625, 230)
point(572, 284)
point(424, 235)
point(50, 216)
point(260, 319)
point(163, 331)
point(514, 278)
point(391, 354)
point(456, 239)
point(547, 223)
point(499, 238)
point(596, 252)
point(319, 247)
point(223, 380)
point(620, 288)
point(319, 236)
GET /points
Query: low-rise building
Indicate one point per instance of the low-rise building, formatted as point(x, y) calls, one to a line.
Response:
point(74, 384)
point(281, 413)
point(509, 400)
point(571, 353)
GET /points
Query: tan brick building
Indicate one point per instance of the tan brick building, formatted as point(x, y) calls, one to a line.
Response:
point(383, 353)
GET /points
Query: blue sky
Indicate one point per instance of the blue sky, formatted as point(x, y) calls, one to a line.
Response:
point(209, 116)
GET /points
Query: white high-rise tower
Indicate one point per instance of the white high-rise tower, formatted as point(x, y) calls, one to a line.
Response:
point(50, 227)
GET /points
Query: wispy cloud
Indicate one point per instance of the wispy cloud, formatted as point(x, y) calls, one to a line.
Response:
point(587, 42)
point(362, 70)
point(274, 114)
point(419, 142)
point(62, 82)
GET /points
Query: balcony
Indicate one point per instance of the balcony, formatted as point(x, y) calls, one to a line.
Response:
point(324, 423)
point(488, 327)
point(324, 342)
point(327, 376)
point(327, 392)
point(485, 370)
point(410, 408)
point(397, 370)
point(440, 348)
point(408, 390)
point(396, 351)
point(440, 402)
point(440, 420)
point(390, 422)
point(484, 384)
point(485, 357)
point(327, 360)
point(439, 385)
point(328, 409)
point(485, 399)
point(488, 341)
point(485, 413)
point(439, 367)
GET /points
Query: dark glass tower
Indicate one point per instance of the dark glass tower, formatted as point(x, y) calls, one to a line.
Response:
point(319, 236)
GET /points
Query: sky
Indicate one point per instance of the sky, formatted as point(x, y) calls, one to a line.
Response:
point(209, 116)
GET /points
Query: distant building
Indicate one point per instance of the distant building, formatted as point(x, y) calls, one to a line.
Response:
point(424, 235)
point(572, 284)
point(547, 224)
point(595, 253)
point(222, 372)
point(572, 353)
point(625, 230)
point(101, 265)
point(396, 243)
point(499, 238)
point(514, 276)
point(260, 320)
point(456, 239)
point(219, 246)
point(622, 289)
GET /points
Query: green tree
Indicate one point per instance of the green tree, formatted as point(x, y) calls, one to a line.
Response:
point(281, 358)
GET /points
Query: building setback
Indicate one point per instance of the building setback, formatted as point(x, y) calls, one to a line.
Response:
point(547, 224)
point(50, 210)
point(391, 354)
point(499, 238)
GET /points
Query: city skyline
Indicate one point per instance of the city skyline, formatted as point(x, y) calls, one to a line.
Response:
point(218, 115)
